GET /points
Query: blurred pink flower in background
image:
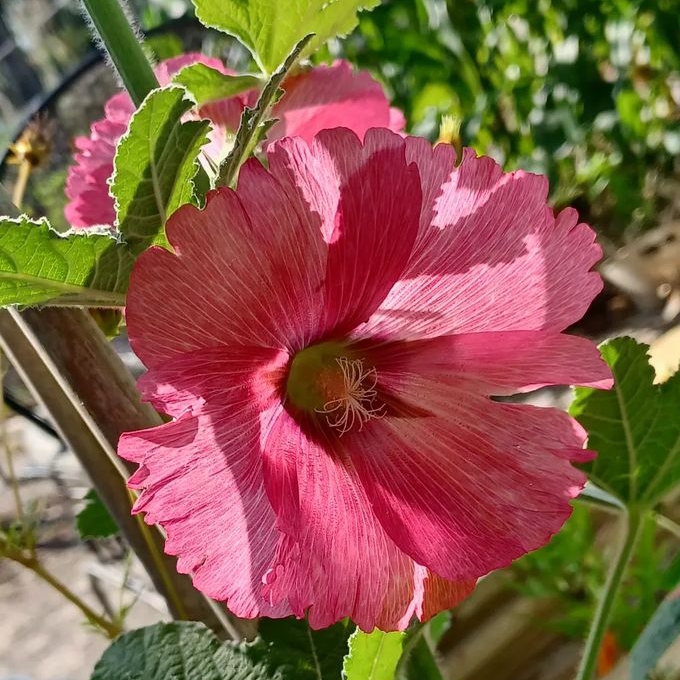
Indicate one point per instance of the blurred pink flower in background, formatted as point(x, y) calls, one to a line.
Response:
point(327, 339)
point(87, 183)
point(318, 98)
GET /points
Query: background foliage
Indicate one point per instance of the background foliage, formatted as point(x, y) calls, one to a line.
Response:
point(585, 92)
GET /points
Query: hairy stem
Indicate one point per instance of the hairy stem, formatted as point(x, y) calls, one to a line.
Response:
point(252, 120)
point(632, 523)
point(123, 45)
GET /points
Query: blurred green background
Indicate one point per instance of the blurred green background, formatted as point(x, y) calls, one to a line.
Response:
point(586, 92)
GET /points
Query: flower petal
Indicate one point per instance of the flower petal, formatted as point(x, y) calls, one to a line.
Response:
point(336, 560)
point(86, 184)
point(201, 475)
point(326, 97)
point(464, 485)
point(368, 199)
point(497, 364)
point(244, 272)
point(287, 271)
point(169, 67)
point(490, 254)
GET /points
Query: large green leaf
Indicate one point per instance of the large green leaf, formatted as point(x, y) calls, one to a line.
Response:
point(207, 84)
point(658, 635)
point(287, 649)
point(155, 166)
point(373, 656)
point(634, 427)
point(41, 266)
point(94, 520)
point(175, 651)
point(271, 28)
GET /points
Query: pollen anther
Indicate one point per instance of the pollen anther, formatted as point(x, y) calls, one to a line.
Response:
point(355, 406)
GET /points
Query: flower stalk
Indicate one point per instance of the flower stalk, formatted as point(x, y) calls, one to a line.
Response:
point(632, 524)
point(123, 46)
point(253, 120)
point(9, 454)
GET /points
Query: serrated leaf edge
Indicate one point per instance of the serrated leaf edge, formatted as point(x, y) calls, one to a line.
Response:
point(148, 101)
point(176, 80)
point(102, 297)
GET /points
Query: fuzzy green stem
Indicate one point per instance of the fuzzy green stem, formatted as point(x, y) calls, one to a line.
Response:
point(123, 45)
point(253, 119)
point(110, 629)
point(632, 523)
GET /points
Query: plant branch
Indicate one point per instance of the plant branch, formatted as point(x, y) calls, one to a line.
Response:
point(252, 120)
point(112, 630)
point(161, 568)
point(123, 45)
point(632, 523)
point(4, 439)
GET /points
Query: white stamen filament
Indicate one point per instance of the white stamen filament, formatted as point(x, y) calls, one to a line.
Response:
point(355, 406)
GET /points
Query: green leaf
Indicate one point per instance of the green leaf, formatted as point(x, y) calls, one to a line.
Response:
point(655, 639)
point(40, 266)
point(287, 649)
point(207, 84)
point(155, 166)
point(372, 656)
point(175, 651)
point(634, 427)
point(270, 28)
point(591, 493)
point(94, 520)
point(417, 661)
point(299, 652)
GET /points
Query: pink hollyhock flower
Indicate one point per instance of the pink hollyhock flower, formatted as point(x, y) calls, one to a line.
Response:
point(87, 185)
point(316, 99)
point(326, 97)
point(326, 339)
point(87, 182)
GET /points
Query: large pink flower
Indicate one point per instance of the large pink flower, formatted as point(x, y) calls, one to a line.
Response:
point(316, 99)
point(327, 339)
